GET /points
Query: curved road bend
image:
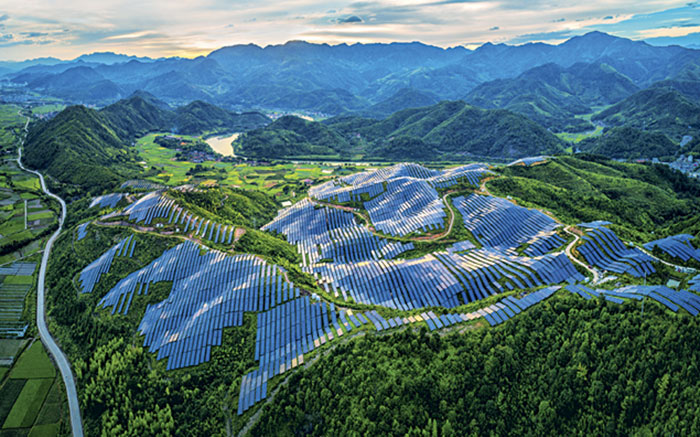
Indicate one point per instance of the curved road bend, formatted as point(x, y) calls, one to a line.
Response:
point(596, 276)
point(44, 334)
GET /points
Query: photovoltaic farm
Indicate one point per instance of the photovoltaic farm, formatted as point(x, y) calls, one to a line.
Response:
point(515, 260)
point(496, 222)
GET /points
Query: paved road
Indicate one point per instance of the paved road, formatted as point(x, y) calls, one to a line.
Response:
point(46, 338)
point(596, 276)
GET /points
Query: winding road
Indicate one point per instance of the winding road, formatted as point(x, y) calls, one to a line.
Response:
point(44, 334)
point(594, 272)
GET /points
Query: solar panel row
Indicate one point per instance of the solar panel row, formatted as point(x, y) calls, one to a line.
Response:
point(604, 249)
point(496, 222)
point(677, 246)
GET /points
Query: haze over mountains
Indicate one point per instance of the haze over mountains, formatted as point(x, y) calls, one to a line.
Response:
point(383, 101)
point(336, 79)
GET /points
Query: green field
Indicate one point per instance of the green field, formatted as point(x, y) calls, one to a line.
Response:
point(577, 137)
point(278, 179)
point(28, 403)
point(32, 399)
point(33, 363)
point(45, 109)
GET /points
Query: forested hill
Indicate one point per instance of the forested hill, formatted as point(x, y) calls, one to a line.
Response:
point(91, 150)
point(655, 109)
point(447, 130)
point(79, 147)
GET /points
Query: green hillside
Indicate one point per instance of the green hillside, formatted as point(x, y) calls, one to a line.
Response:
point(292, 136)
point(78, 147)
point(447, 130)
point(642, 200)
point(655, 109)
point(630, 143)
point(567, 367)
point(199, 117)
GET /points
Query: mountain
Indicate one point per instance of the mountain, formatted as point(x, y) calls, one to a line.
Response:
point(200, 117)
point(134, 117)
point(630, 143)
point(338, 79)
point(109, 58)
point(553, 96)
point(78, 84)
point(403, 99)
point(453, 130)
point(78, 147)
point(291, 136)
point(686, 82)
point(655, 109)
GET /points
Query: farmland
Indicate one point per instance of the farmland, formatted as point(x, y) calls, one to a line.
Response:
point(276, 179)
point(32, 395)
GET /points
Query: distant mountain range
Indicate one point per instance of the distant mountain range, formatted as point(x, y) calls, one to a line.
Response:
point(343, 78)
point(399, 100)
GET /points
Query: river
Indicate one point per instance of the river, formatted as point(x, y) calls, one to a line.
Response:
point(223, 144)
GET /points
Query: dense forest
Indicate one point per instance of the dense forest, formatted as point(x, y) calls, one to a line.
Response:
point(447, 130)
point(565, 367)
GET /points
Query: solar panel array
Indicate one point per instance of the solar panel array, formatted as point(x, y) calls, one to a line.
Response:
point(509, 306)
point(157, 206)
point(210, 291)
point(285, 333)
point(402, 198)
point(496, 222)
point(671, 299)
point(91, 274)
point(694, 284)
point(330, 233)
point(442, 278)
point(408, 205)
point(142, 185)
point(678, 246)
point(151, 206)
point(604, 249)
point(107, 201)
point(486, 272)
point(82, 230)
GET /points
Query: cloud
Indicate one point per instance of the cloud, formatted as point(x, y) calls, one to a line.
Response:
point(350, 19)
point(6, 37)
point(195, 27)
point(33, 34)
point(557, 35)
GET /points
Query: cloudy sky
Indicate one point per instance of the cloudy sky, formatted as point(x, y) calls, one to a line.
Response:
point(66, 29)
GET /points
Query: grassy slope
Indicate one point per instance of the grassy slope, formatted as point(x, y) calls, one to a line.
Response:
point(640, 199)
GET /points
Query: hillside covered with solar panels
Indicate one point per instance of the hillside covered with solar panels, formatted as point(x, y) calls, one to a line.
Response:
point(213, 309)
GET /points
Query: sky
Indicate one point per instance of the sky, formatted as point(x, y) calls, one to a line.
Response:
point(66, 29)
